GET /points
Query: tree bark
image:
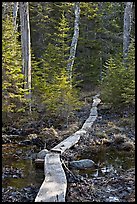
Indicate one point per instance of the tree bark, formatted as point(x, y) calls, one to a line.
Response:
point(15, 12)
point(127, 28)
point(74, 41)
point(26, 52)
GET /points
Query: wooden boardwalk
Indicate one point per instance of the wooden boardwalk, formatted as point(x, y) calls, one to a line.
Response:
point(54, 186)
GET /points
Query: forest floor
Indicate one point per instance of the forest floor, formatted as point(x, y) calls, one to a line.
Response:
point(110, 144)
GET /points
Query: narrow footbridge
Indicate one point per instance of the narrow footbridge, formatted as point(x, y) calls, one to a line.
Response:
point(54, 186)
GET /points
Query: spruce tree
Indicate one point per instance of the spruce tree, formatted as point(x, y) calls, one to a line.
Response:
point(12, 77)
point(118, 83)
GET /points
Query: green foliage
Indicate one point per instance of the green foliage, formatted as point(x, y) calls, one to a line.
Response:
point(50, 78)
point(100, 36)
point(118, 84)
point(12, 77)
point(44, 20)
point(112, 82)
point(101, 28)
point(87, 62)
point(129, 88)
point(60, 99)
point(52, 27)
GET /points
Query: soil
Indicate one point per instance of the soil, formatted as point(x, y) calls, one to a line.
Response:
point(110, 131)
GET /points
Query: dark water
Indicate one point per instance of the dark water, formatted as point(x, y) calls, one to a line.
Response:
point(15, 156)
point(110, 160)
point(18, 157)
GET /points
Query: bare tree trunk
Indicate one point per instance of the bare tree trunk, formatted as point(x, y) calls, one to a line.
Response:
point(6, 8)
point(15, 12)
point(127, 28)
point(74, 41)
point(26, 52)
point(22, 35)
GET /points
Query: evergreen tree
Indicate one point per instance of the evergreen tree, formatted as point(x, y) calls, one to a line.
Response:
point(112, 82)
point(100, 37)
point(118, 83)
point(12, 77)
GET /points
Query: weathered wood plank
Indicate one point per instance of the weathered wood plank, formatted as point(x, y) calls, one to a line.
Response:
point(87, 126)
point(67, 143)
point(39, 163)
point(88, 123)
point(53, 188)
point(70, 141)
point(91, 119)
point(96, 101)
point(93, 114)
point(93, 111)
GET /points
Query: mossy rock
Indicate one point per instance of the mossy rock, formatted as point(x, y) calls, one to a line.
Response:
point(83, 164)
point(42, 154)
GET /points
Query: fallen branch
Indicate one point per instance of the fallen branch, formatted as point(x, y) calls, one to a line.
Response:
point(68, 170)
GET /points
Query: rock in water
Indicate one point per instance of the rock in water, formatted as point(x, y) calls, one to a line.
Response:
point(42, 154)
point(83, 164)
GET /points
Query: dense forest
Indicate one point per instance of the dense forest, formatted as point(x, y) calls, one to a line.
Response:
point(56, 56)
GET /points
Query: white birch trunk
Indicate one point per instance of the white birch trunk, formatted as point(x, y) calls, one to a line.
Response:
point(26, 52)
point(7, 7)
point(74, 40)
point(15, 12)
point(127, 28)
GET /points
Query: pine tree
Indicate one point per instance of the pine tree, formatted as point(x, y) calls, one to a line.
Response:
point(118, 83)
point(100, 37)
point(87, 65)
point(12, 77)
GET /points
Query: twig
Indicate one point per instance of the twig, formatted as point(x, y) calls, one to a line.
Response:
point(68, 169)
